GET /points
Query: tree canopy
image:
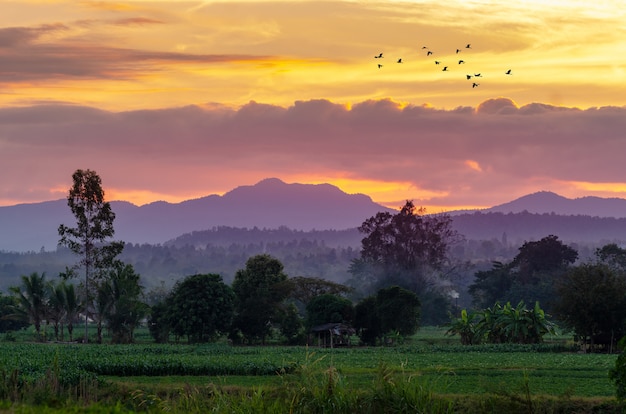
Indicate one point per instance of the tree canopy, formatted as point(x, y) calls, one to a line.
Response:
point(392, 310)
point(94, 227)
point(592, 302)
point(201, 307)
point(404, 249)
point(260, 289)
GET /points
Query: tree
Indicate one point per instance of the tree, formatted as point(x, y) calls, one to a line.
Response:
point(304, 289)
point(613, 255)
point(8, 320)
point(531, 276)
point(56, 307)
point(32, 301)
point(393, 310)
point(94, 226)
point(592, 302)
point(398, 310)
point(366, 321)
point(491, 286)
point(260, 289)
point(72, 308)
point(291, 325)
point(329, 309)
point(408, 248)
point(201, 307)
point(124, 309)
point(538, 259)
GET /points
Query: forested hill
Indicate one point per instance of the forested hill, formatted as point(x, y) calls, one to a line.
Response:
point(321, 253)
point(226, 236)
point(524, 226)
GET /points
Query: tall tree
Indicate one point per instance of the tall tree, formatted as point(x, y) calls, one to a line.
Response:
point(94, 227)
point(260, 289)
point(408, 249)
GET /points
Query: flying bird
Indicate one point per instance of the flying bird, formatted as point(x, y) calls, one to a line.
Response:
point(400, 60)
point(508, 72)
point(478, 75)
point(379, 56)
point(437, 62)
point(461, 61)
point(474, 85)
point(445, 69)
point(424, 47)
point(458, 50)
point(429, 53)
point(380, 66)
point(469, 76)
point(468, 46)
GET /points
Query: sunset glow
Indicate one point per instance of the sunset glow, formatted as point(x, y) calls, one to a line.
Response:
point(172, 100)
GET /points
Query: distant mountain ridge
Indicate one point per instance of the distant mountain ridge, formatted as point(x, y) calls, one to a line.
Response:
point(549, 202)
point(272, 203)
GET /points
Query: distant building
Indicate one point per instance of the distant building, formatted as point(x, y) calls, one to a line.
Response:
point(330, 335)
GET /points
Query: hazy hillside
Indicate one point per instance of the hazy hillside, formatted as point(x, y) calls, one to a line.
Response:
point(269, 204)
point(272, 204)
point(548, 202)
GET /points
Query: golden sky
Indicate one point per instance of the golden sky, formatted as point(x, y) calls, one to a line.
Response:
point(199, 69)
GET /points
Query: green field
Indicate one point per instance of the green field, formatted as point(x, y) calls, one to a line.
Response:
point(137, 377)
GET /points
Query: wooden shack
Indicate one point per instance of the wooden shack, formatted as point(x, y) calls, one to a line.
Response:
point(330, 335)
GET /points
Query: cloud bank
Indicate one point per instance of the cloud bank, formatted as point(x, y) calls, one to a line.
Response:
point(442, 159)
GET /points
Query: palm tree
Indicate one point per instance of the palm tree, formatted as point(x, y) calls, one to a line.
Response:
point(32, 301)
point(72, 307)
point(56, 306)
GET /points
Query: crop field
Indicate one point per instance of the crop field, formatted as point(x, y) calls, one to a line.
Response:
point(429, 362)
point(450, 369)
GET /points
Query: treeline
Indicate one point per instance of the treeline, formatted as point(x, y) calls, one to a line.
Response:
point(520, 227)
point(224, 250)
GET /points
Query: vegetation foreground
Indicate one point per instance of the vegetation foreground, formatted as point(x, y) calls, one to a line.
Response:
point(429, 373)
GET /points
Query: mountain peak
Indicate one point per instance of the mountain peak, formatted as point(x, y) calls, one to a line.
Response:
point(546, 202)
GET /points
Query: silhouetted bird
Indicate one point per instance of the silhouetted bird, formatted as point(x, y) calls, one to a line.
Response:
point(445, 69)
point(380, 66)
point(400, 60)
point(474, 85)
point(508, 72)
point(429, 53)
point(468, 46)
point(379, 56)
point(478, 75)
point(437, 62)
point(461, 61)
point(469, 76)
point(424, 47)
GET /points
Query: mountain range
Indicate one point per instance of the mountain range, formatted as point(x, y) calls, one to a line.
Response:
point(270, 204)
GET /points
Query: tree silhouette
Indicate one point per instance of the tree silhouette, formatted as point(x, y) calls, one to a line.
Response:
point(94, 226)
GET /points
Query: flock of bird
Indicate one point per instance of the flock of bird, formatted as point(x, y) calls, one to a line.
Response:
point(445, 68)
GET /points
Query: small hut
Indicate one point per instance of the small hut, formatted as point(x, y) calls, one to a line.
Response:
point(330, 335)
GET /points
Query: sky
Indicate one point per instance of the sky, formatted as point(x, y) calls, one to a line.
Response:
point(174, 100)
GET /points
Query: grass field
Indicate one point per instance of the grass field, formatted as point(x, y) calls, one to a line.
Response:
point(138, 375)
